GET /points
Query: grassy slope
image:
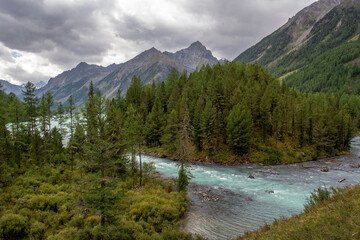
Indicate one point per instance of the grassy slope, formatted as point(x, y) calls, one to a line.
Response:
point(320, 64)
point(336, 218)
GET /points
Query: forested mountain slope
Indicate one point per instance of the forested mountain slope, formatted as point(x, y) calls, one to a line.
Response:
point(317, 50)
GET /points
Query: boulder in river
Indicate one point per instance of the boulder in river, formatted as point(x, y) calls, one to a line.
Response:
point(324, 169)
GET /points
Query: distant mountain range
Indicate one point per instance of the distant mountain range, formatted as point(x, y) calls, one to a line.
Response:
point(149, 65)
point(17, 89)
point(316, 50)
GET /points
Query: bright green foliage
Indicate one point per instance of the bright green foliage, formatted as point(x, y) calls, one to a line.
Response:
point(239, 129)
point(317, 197)
point(13, 226)
point(182, 181)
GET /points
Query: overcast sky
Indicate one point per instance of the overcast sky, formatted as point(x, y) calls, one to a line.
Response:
point(40, 39)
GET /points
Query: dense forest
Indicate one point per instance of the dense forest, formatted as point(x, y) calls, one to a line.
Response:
point(93, 187)
point(236, 113)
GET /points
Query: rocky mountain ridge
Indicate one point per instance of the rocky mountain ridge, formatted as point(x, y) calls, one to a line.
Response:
point(149, 65)
point(316, 50)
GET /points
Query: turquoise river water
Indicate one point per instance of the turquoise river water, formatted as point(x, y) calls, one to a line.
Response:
point(225, 203)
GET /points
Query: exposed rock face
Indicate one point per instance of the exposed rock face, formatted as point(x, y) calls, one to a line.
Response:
point(149, 65)
point(324, 34)
point(75, 82)
point(290, 36)
point(194, 56)
point(16, 89)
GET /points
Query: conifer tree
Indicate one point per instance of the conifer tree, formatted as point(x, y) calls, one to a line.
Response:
point(239, 129)
point(31, 102)
point(133, 94)
point(43, 109)
point(70, 110)
point(101, 149)
point(3, 129)
point(134, 136)
point(154, 125)
point(61, 118)
point(207, 124)
point(16, 114)
point(49, 103)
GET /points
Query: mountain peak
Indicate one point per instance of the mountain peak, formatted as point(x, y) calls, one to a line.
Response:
point(197, 45)
point(82, 64)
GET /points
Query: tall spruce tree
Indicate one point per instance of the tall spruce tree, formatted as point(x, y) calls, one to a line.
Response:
point(239, 129)
point(31, 102)
point(71, 112)
point(101, 149)
point(134, 136)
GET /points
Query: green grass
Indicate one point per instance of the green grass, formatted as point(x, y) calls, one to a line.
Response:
point(335, 218)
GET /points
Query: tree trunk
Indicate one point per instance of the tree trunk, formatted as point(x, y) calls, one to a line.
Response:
point(102, 190)
point(133, 165)
point(140, 166)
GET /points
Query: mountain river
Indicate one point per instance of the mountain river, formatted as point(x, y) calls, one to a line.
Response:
point(225, 202)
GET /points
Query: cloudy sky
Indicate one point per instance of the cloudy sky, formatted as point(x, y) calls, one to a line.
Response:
point(42, 38)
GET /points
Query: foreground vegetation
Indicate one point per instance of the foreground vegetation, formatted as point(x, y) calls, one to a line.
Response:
point(91, 189)
point(329, 215)
point(56, 203)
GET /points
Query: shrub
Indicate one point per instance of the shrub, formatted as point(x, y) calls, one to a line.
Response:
point(317, 196)
point(13, 226)
point(37, 230)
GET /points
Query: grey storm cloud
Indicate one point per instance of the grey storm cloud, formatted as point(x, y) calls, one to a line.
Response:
point(20, 73)
point(68, 32)
point(52, 31)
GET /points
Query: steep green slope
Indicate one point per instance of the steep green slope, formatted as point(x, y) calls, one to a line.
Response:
point(325, 56)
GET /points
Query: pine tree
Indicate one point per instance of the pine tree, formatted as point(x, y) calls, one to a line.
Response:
point(31, 102)
point(61, 118)
point(49, 102)
point(70, 110)
point(16, 114)
point(207, 124)
point(133, 94)
point(239, 129)
point(3, 130)
point(182, 181)
point(101, 149)
point(154, 125)
point(134, 136)
point(43, 108)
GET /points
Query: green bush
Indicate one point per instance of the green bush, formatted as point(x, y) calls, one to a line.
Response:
point(37, 230)
point(13, 226)
point(317, 196)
